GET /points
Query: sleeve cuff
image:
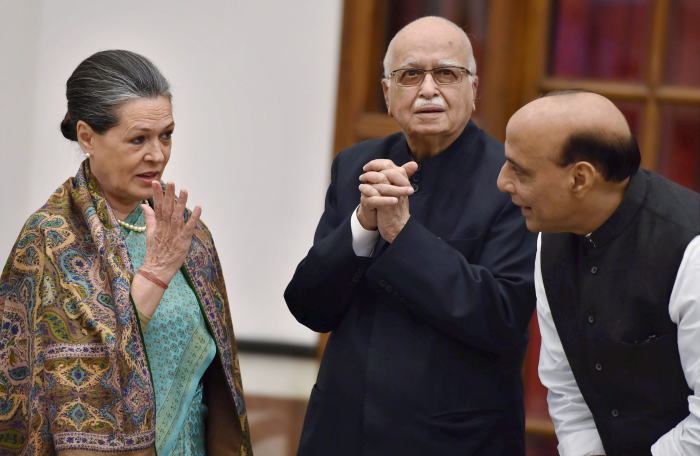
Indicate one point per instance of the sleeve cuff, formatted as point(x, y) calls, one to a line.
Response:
point(363, 241)
point(581, 443)
point(143, 319)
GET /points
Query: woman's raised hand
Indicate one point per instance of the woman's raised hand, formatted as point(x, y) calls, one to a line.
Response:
point(168, 237)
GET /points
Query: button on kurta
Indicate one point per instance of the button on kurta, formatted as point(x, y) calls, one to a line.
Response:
point(594, 270)
point(615, 413)
point(382, 283)
point(415, 178)
point(415, 187)
point(591, 319)
point(389, 288)
point(599, 367)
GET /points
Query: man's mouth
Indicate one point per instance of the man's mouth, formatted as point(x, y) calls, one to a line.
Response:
point(429, 110)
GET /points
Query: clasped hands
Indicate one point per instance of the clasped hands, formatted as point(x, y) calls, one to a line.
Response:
point(384, 196)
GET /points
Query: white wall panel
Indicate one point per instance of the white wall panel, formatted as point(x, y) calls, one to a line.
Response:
point(254, 87)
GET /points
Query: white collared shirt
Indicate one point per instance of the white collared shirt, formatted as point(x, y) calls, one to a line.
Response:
point(572, 418)
point(363, 241)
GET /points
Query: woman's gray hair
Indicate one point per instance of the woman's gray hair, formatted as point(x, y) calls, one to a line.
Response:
point(105, 80)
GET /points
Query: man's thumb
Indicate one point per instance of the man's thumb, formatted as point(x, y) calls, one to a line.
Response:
point(410, 167)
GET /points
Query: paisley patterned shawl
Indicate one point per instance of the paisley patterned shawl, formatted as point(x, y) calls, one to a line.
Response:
point(74, 375)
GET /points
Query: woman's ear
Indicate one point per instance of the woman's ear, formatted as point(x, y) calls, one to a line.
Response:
point(86, 137)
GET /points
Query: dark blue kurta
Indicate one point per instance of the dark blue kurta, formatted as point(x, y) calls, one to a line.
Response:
point(428, 335)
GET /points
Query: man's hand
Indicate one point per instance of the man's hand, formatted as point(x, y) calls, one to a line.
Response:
point(384, 200)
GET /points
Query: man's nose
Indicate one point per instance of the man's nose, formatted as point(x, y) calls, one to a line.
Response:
point(428, 88)
point(503, 183)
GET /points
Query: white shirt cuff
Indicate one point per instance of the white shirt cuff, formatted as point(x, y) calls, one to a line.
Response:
point(581, 443)
point(363, 240)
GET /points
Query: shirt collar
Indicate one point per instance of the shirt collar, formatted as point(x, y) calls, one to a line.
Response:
point(624, 214)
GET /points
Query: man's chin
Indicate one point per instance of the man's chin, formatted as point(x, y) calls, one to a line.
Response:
point(532, 225)
point(429, 128)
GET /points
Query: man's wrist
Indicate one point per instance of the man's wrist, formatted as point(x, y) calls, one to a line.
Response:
point(390, 237)
point(363, 223)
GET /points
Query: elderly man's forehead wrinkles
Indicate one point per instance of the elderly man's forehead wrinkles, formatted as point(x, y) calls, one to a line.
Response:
point(410, 63)
point(448, 63)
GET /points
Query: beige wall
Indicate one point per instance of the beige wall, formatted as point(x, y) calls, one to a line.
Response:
point(254, 86)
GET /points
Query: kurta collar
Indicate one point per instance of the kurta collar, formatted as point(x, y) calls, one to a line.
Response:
point(441, 169)
point(623, 215)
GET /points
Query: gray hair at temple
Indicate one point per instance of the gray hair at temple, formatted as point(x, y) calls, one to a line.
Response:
point(105, 80)
point(471, 61)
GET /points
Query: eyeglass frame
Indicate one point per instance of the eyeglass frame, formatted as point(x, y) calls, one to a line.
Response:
point(462, 69)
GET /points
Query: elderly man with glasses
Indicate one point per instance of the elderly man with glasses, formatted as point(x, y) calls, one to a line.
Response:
point(424, 276)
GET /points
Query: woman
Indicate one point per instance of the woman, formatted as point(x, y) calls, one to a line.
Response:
point(116, 332)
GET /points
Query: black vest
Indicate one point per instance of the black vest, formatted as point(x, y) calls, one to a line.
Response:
point(609, 298)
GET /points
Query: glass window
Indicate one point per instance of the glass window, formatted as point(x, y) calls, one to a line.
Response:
point(683, 44)
point(679, 144)
point(601, 39)
point(633, 112)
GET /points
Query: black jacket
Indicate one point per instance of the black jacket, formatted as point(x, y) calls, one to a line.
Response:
point(609, 296)
point(428, 335)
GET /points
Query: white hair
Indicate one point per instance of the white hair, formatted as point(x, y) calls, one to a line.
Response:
point(471, 61)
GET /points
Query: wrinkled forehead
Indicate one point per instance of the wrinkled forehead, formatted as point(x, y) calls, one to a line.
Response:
point(426, 49)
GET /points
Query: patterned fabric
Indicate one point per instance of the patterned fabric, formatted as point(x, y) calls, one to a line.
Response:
point(73, 370)
point(179, 350)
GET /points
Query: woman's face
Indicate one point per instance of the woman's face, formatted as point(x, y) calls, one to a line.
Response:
point(128, 157)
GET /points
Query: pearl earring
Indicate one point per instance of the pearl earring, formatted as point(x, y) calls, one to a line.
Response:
point(87, 154)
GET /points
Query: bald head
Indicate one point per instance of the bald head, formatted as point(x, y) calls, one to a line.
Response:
point(573, 126)
point(417, 31)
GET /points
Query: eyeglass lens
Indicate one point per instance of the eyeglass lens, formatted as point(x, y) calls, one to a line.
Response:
point(412, 76)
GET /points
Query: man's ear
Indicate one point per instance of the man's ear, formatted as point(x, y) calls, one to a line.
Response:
point(86, 137)
point(475, 85)
point(385, 88)
point(583, 176)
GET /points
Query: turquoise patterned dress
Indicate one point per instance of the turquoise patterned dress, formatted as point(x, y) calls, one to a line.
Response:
point(179, 350)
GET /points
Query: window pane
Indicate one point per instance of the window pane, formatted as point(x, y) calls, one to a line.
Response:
point(683, 43)
point(472, 15)
point(679, 144)
point(633, 112)
point(601, 39)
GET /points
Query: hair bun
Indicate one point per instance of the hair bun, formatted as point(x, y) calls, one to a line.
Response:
point(68, 128)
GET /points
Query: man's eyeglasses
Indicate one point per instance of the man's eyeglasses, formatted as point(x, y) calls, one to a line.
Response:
point(414, 76)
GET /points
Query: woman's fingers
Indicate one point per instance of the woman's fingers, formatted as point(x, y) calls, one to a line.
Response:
point(192, 222)
point(157, 200)
point(168, 201)
point(178, 218)
point(150, 216)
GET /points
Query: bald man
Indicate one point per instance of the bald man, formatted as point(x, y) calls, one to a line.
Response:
point(617, 277)
point(424, 277)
